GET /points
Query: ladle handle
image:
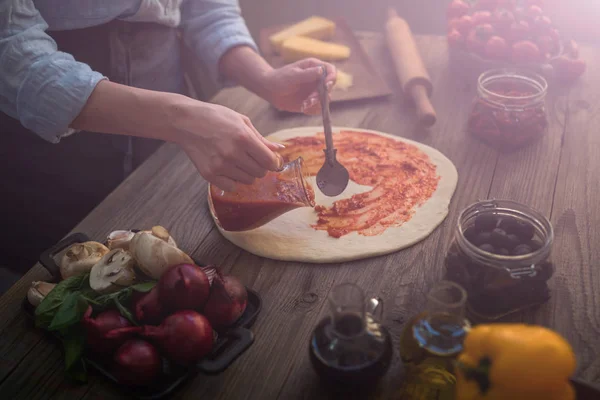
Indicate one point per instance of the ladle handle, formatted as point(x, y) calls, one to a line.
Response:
point(324, 99)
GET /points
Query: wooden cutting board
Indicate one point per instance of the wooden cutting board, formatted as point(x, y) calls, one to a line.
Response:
point(367, 82)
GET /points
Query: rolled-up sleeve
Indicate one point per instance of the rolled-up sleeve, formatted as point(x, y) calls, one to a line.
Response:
point(43, 88)
point(211, 28)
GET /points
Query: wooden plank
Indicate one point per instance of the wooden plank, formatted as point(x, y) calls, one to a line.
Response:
point(573, 310)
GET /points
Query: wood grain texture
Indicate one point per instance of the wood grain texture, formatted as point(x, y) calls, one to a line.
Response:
point(557, 175)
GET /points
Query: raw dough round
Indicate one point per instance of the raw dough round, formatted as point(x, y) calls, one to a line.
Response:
point(290, 237)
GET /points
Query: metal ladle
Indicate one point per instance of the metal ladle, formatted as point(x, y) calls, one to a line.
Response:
point(333, 177)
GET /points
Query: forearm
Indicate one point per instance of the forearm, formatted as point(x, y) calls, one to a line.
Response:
point(119, 109)
point(246, 67)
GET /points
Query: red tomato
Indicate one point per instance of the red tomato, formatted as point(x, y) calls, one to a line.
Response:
point(464, 24)
point(455, 39)
point(572, 49)
point(481, 17)
point(478, 37)
point(507, 4)
point(489, 5)
point(503, 19)
point(546, 45)
point(457, 9)
point(568, 70)
point(496, 48)
point(525, 52)
point(518, 31)
point(534, 11)
point(542, 24)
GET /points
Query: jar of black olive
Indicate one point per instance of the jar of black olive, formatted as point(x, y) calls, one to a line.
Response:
point(509, 111)
point(501, 256)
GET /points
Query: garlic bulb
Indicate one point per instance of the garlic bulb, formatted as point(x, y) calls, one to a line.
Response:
point(38, 291)
point(80, 258)
point(113, 272)
point(154, 252)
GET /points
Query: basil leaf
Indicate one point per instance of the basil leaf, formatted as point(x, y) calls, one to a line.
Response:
point(45, 311)
point(74, 345)
point(125, 312)
point(69, 313)
point(144, 287)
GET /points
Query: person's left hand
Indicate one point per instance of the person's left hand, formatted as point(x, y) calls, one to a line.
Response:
point(293, 87)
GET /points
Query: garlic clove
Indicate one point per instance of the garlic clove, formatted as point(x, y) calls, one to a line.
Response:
point(113, 272)
point(119, 240)
point(81, 257)
point(154, 255)
point(38, 291)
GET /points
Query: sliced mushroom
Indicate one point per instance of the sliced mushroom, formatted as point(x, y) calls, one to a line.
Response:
point(154, 254)
point(38, 291)
point(119, 240)
point(80, 258)
point(113, 272)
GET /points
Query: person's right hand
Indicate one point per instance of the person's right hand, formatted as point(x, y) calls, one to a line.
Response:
point(224, 145)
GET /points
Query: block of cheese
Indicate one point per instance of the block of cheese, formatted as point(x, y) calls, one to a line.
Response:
point(299, 47)
point(344, 80)
point(314, 27)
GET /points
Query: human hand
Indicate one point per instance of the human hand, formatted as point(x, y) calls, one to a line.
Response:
point(224, 145)
point(293, 87)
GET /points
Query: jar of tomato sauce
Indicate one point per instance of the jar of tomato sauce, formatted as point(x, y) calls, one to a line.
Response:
point(501, 256)
point(509, 110)
point(251, 206)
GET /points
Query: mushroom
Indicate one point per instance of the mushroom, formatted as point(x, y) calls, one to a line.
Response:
point(154, 252)
point(80, 258)
point(122, 239)
point(38, 291)
point(113, 272)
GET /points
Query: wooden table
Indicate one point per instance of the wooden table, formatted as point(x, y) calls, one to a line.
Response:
point(558, 175)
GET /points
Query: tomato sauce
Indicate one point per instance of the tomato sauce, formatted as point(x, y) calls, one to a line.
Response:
point(251, 206)
point(402, 178)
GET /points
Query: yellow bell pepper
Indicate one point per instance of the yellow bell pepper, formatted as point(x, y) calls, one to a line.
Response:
point(515, 362)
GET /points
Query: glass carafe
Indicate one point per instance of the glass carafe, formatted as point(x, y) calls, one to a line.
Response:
point(430, 343)
point(350, 348)
point(251, 206)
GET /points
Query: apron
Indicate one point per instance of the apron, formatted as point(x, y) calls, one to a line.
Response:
point(46, 188)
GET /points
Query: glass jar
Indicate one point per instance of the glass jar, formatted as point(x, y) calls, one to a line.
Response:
point(509, 110)
point(501, 256)
point(251, 206)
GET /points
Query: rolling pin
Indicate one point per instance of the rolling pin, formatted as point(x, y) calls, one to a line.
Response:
point(409, 67)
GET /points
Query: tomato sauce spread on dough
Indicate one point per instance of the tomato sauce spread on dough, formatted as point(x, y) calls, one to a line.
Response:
point(402, 177)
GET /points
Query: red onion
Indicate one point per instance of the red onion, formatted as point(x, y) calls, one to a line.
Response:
point(227, 300)
point(136, 363)
point(148, 308)
point(98, 330)
point(183, 287)
point(184, 337)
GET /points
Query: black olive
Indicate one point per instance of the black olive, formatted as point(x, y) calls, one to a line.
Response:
point(509, 224)
point(487, 247)
point(482, 237)
point(502, 252)
point(470, 233)
point(525, 231)
point(485, 222)
point(535, 244)
point(499, 238)
point(521, 250)
point(512, 241)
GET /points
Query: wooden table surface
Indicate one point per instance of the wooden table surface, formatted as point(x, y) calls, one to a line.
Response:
point(558, 175)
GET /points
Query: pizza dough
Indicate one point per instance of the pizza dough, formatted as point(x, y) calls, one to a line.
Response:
point(290, 237)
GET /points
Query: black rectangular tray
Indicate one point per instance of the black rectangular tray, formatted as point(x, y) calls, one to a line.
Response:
point(229, 346)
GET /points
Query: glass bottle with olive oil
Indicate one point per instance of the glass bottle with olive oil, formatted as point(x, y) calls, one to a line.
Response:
point(430, 343)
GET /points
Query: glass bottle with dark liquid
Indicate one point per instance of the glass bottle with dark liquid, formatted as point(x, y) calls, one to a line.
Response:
point(430, 343)
point(350, 349)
